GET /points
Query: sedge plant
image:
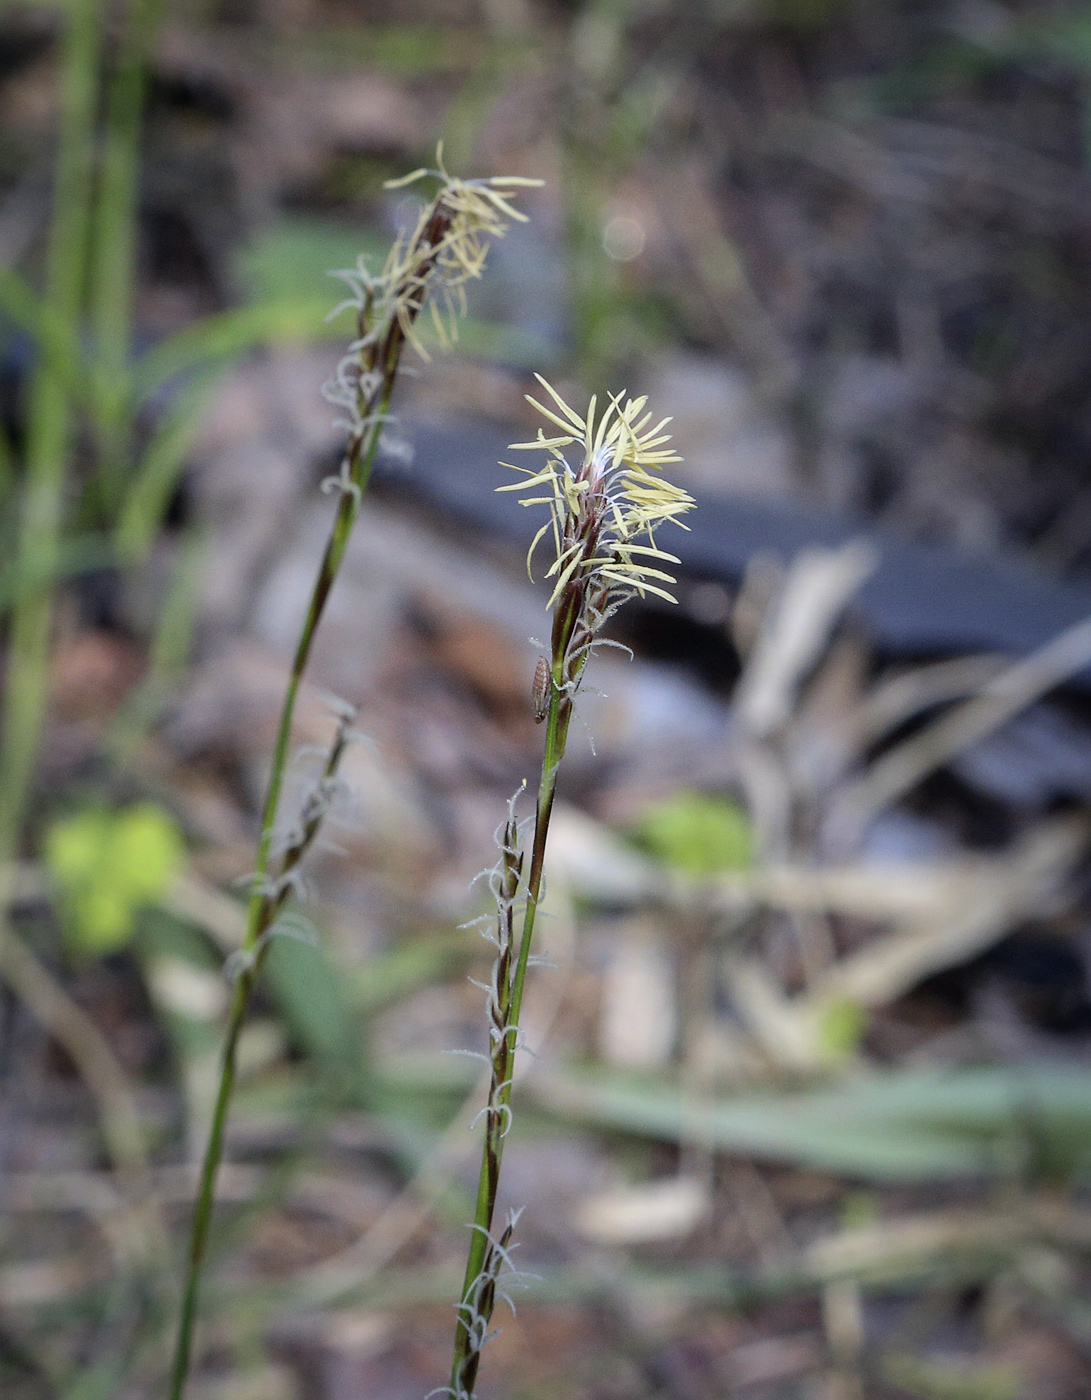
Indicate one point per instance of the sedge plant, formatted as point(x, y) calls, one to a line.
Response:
point(605, 501)
point(426, 273)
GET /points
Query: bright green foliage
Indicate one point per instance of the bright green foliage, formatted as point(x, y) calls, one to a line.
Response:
point(841, 1027)
point(106, 865)
point(698, 833)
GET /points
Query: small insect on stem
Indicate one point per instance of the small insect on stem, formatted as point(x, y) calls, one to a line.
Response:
point(541, 690)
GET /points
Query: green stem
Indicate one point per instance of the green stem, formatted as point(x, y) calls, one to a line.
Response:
point(347, 511)
point(49, 423)
point(115, 222)
point(114, 237)
point(466, 1354)
point(264, 904)
point(38, 555)
point(7, 467)
point(377, 371)
point(206, 1194)
point(167, 654)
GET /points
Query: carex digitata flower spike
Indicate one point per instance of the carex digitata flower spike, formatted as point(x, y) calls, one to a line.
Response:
point(427, 269)
point(605, 501)
point(602, 506)
point(605, 506)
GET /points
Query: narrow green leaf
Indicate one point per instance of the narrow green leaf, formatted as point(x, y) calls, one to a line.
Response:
point(76, 555)
point(310, 995)
point(149, 492)
point(912, 1126)
point(226, 334)
point(52, 335)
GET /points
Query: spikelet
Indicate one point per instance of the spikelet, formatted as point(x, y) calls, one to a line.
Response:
point(427, 268)
point(432, 264)
point(605, 505)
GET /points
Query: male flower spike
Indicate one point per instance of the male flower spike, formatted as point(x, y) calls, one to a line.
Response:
point(604, 506)
point(431, 264)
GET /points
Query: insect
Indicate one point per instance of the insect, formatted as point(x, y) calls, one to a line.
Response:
point(540, 692)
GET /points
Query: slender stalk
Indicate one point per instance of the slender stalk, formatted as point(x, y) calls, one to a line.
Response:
point(600, 513)
point(49, 421)
point(167, 654)
point(113, 247)
point(7, 467)
point(115, 217)
point(266, 901)
point(477, 1301)
point(271, 905)
point(202, 1215)
point(447, 248)
point(38, 552)
point(479, 1283)
point(362, 461)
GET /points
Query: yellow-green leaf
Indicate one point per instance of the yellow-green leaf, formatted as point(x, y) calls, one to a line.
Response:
point(841, 1027)
point(105, 866)
point(698, 833)
point(146, 851)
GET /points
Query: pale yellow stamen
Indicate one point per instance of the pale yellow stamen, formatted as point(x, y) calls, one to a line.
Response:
point(621, 450)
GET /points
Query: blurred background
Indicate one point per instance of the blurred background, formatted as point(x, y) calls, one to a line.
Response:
point(809, 1111)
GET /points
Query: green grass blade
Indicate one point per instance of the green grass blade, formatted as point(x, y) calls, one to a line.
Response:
point(113, 249)
point(169, 653)
point(115, 214)
point(148, 494)
point(24, 579)
point(49, 416)
point(993, 1121)
point(55, 337)
point(223, 335)
point(7, 467)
